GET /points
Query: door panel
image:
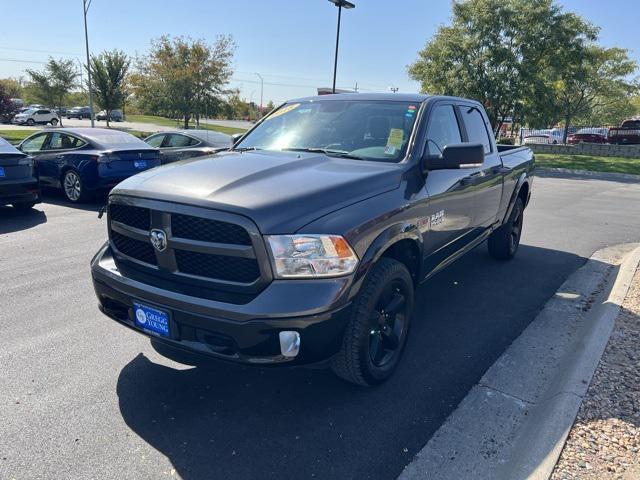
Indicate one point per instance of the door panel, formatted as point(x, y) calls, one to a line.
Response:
point(487, 179)
point(450, 216)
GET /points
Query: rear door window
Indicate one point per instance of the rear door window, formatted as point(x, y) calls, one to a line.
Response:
point(443, 129)
point(155, 141)
point(476, 127)
point(178, 140)
point(62, 141)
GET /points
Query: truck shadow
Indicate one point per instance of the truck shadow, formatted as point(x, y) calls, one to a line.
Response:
point(56, 197)
point(226, 421)
point(11, 220)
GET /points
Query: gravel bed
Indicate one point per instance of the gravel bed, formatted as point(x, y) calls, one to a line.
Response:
point(604, 442)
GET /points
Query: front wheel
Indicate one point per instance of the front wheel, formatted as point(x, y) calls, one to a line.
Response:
point(504, 241)
point(54, 121)
point(31, 122)
point(376, 334)
point(73, 187)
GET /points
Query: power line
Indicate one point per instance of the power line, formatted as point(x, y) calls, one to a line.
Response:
point(18, 60)
point(38, 51)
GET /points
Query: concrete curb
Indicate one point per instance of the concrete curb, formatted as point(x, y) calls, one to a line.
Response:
point(514, 423)
point(563, 172)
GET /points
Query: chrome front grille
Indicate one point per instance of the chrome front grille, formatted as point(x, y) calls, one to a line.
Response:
point(216, 249)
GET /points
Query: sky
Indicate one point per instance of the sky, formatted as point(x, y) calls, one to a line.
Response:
point(290, 44)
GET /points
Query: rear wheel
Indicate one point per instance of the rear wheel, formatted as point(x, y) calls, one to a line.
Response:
point(377, 331)
point(504, 241)
point(72, 186)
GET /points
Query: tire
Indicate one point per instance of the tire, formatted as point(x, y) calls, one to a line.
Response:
point(504, 242)
point(24, 207)
point(31, 122)
point(368, 356)
point(73, 187)
point(54, 121)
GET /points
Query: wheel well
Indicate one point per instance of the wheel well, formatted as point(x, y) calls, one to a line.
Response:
point(407, 252)
point(523, 194)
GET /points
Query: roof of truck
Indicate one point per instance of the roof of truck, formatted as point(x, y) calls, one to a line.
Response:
point(399, 97)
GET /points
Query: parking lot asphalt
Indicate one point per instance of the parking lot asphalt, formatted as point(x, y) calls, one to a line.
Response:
point(82, 397)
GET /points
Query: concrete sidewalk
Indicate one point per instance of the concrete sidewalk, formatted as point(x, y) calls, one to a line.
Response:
point(514, 422)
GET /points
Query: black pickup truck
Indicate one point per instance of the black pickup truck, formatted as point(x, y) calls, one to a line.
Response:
point(305, 242)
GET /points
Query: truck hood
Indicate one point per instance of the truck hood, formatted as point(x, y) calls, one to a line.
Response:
point(280, 191)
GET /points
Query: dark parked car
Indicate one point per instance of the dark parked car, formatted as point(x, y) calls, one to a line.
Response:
point(182, 144)
point(627, 134)
point(305, 242)
point(81, 161)
point(18, 182)
point(79, 112)
point(115, 116)
point(589, 135)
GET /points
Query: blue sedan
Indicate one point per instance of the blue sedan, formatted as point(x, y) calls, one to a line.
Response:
point(82, 161)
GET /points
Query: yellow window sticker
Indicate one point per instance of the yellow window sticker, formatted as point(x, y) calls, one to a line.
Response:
point(285, 109)
point(396, 135)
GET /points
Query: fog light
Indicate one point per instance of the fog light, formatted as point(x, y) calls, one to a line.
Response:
point(289, 343)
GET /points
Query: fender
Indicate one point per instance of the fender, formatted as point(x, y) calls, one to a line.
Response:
point(524, 178)
point(392, 235)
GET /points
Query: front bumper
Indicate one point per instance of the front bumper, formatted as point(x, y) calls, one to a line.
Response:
point(19, 191)
point(244, 333)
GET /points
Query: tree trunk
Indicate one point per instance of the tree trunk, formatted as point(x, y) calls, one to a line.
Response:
point(567, 122)
point(186, 122)
point(108, 112)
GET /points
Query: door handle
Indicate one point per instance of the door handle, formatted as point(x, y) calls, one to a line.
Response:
point(471, 178)
point(60, 157)
point(500, 169)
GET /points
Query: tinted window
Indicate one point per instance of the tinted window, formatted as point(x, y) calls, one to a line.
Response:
point(177, 140)
point(155, 141)
point(62, 141)
point(476, 128)
point(34, 144)
point(443, 129)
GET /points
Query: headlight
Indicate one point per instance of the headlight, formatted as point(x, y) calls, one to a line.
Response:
point(309, 256)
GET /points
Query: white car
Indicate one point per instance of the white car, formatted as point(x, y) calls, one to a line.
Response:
point(547, 136)
point(34, 116)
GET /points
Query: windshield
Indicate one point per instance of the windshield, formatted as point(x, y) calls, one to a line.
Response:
point(361, 129)
point(29, 111)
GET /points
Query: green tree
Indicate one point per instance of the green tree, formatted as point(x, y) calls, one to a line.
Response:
point(179, 77)
point(269, 107)
point(494, 51)
point(7, 107)
point(11, 87)
point(109, 71)
point(54, 82)
point(591, 80)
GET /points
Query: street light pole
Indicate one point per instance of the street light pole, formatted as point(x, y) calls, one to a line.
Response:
point(261, 90)
point(339, 4)
point(86, 4)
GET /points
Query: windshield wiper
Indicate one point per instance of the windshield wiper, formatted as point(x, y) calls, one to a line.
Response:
point(331, 153)
point(245, 149)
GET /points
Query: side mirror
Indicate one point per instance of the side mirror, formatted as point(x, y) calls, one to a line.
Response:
point(235, 137)
point(460, 155)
